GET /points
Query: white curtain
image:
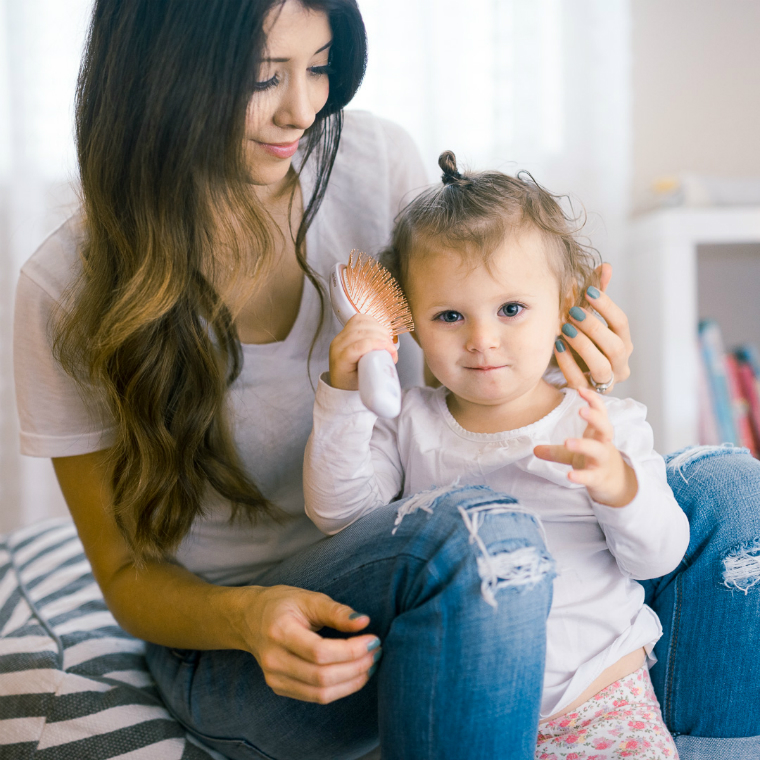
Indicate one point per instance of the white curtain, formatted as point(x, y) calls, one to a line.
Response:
point(542, 85)
point(40, 47)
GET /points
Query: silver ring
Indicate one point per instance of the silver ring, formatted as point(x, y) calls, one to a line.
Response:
point(601, 387)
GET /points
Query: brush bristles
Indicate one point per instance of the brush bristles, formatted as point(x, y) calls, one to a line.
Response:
point(373, 291)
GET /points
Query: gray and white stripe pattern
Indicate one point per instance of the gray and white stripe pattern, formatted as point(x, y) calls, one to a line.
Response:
point(72, 683)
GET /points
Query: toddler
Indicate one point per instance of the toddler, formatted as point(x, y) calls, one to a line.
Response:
point(490, 265)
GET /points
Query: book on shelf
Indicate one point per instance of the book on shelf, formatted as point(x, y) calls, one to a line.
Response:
point(739, 405)
point(729, 391)
point(714, 358)
point(749, 381)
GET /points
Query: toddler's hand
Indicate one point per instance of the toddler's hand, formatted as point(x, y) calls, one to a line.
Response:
point(361, 335)
point(596, 463)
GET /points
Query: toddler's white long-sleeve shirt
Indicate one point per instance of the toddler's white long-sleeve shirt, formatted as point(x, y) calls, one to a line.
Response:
point(356, 463)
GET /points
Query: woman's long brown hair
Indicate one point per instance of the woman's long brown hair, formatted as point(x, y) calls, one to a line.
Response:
point(168, 214)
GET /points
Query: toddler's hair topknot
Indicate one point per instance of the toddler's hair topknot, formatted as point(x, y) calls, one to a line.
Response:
point(475, 211)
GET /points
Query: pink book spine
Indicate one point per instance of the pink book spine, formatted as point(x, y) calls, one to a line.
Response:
point(739, 405)
point(750, 386)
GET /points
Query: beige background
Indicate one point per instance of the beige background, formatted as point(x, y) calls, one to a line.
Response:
point(696, 89)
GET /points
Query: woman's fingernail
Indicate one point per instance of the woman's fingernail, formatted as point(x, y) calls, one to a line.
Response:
point(592, 292)
point(559, 345)
point(377, 655)
point(355, 615)
point(371, 671)
point(374, 644)
point(569, 330)
point(577, 313)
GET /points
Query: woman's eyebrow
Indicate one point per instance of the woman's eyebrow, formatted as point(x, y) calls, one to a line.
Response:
point(285, 60)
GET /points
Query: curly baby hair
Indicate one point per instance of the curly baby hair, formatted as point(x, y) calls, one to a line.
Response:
point(473, 212)
point(170, 222)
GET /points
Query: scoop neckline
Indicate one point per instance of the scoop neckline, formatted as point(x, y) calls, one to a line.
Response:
point(308, 291)
point(504, 435)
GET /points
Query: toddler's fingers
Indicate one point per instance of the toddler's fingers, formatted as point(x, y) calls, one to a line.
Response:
point(595, 452)
point(354, 351)
point(599, 425)
point(593, 399)
point(553, 454)
point(597, 416)
point(588, 478)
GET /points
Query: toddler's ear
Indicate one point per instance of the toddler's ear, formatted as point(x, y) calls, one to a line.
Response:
point(570, 299)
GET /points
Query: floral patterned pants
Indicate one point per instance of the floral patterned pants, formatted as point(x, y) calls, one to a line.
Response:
point(622, 721)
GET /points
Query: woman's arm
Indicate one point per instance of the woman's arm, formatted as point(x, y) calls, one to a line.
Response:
point(164, 603)
point(604, 350)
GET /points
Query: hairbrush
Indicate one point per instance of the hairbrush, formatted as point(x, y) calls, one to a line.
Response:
point(366, 287)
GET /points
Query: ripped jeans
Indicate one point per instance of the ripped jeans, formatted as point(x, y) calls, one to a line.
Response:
point(460, 678)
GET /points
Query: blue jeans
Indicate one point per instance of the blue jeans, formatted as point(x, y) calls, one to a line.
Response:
point(708, 673)
point(462, 679)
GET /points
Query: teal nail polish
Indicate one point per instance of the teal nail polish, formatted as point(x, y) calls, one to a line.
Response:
point(559, 345)
point(577, 313)
point(374, 644)
point(569, 330)
point(377, 655)
point(355, 615)
point(592, 292)
point(371, 671)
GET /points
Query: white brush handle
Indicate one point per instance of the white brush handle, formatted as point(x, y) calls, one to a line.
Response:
point(379, 388)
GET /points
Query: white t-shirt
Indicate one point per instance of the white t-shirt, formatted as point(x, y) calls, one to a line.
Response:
point(598, 613)
point(377, 171)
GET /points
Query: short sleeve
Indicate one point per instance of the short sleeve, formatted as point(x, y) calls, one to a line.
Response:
point(57, 417)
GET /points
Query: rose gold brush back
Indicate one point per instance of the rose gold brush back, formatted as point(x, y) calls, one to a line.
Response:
point(372, 290)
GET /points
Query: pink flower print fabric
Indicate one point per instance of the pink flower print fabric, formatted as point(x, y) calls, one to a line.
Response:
point(621, 721)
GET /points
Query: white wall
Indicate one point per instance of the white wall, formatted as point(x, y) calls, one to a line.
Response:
point(696, 89)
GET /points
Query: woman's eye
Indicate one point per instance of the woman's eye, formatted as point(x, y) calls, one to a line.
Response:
point(320, 71)
point(266, 85)
point(511, 309)
point(449, 316)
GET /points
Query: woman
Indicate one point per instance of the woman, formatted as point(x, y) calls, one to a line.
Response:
point(187, 321)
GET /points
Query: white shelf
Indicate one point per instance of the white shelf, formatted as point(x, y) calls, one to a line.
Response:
point(663, 309)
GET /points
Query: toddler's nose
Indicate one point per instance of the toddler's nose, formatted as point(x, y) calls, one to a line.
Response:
point(482, 337)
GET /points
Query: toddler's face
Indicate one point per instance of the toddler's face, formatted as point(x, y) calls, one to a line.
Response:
point(487, 331)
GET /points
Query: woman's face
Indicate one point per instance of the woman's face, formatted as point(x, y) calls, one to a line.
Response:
point(292, 88)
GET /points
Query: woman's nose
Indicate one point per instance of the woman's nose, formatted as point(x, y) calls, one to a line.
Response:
point(297, 108)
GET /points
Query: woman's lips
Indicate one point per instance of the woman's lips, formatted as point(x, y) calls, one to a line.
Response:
point(280, 150)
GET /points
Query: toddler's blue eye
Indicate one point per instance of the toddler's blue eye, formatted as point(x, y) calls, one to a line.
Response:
point(449, 316)
point(511, 309)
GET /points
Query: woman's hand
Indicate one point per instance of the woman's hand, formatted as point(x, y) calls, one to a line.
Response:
point(596, 463)
point(604, 350)
point(361, 335)
point(280, 625)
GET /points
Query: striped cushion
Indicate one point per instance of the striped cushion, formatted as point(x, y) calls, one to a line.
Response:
point(72, 683)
